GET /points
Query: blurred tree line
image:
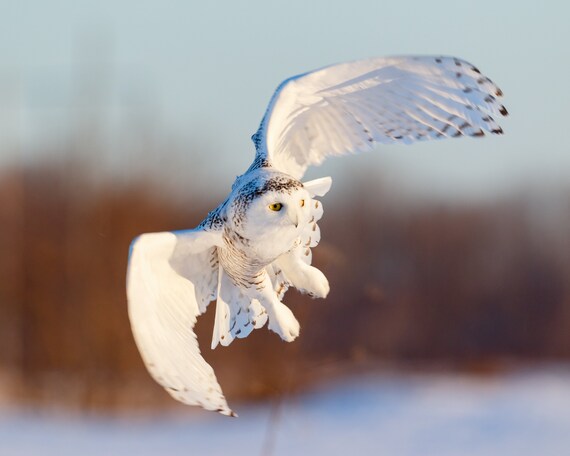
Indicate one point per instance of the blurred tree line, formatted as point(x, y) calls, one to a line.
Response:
point(458, 286)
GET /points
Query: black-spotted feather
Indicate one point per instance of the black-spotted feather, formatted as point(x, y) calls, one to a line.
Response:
point(348, 107)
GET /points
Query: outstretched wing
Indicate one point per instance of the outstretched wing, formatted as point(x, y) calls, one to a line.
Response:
point(172, 277)
point(348, 107)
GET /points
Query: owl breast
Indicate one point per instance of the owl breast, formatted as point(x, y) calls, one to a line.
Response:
point(244, 259)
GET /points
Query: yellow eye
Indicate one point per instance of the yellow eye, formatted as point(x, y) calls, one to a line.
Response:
point(302, 203)
point(276, 207)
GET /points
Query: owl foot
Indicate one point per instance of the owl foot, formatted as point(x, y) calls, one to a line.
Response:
point(281, 319)
point(302, 276)
point(314, 283)
point(283, 322)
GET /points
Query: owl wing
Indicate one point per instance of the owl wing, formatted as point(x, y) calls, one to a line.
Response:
point(172, 276)
point(347, 108)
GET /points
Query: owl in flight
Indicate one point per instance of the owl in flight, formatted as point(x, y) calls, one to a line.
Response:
point(257, 243)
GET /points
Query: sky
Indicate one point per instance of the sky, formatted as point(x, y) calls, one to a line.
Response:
point(195, 78)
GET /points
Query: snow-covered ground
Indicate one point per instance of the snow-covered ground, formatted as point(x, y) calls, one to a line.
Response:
point(517, 414)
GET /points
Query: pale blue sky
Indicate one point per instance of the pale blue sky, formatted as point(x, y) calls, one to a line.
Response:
point(202, 73)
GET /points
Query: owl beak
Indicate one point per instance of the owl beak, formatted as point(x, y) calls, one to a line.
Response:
point(293, 216)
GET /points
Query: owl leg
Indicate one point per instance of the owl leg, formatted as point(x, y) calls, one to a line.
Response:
point(281, 319)
point(304, 277)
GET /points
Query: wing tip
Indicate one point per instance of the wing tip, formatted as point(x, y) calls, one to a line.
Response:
point(227, 412)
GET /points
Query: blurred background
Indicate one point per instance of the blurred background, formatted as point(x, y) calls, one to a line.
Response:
point(447, 329)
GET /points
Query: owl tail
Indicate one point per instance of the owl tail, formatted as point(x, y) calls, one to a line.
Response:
point(236, 314)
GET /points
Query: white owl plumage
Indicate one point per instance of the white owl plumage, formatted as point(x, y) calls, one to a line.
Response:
point(256, 244)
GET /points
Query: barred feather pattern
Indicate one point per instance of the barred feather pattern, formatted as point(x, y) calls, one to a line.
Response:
point(237, 315)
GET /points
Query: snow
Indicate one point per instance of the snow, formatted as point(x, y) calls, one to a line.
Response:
point(391, 414)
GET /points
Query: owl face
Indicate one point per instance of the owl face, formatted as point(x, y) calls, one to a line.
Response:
point(272, 215)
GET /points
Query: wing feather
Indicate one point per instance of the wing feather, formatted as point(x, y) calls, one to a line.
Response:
point(236, 314)
point(170, 280)
point(348, 107)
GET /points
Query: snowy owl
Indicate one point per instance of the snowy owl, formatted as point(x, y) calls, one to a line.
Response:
point(257, 243)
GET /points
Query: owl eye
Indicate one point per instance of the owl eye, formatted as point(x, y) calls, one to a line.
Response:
point(302, 203)
point(276, 207)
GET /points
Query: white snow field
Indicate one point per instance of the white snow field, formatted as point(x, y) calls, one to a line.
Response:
point(516, 414)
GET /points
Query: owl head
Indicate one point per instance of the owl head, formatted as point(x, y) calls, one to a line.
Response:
point(271, 209)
